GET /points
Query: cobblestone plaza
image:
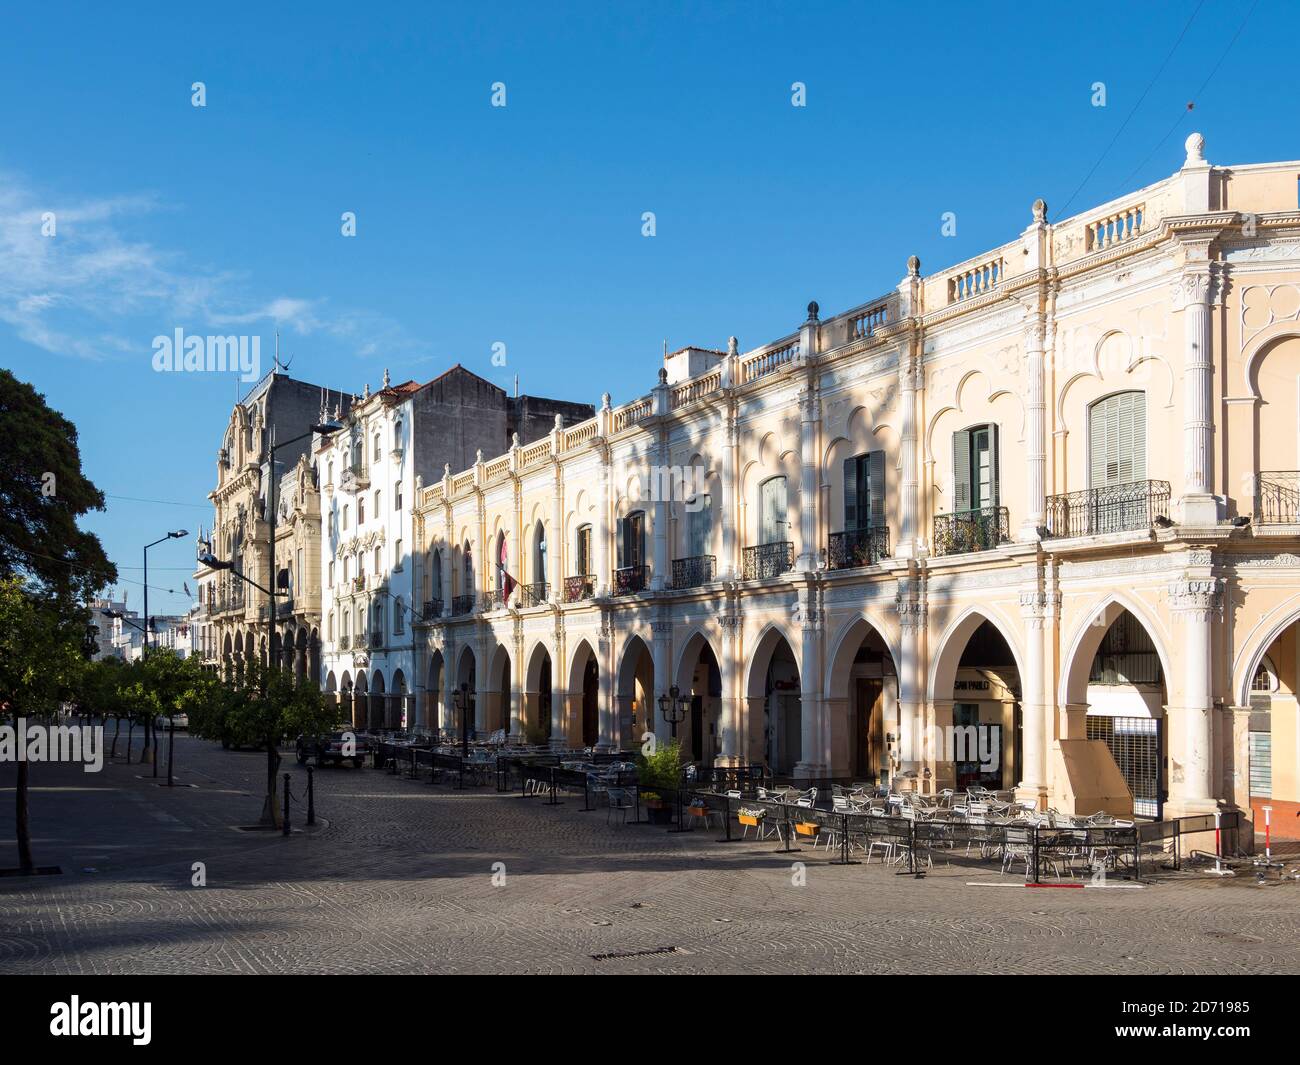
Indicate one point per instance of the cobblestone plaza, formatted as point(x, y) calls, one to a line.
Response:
point(398, 877)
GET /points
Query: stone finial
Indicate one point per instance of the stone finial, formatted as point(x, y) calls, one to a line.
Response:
point(604, 401)
point(559, 421)
point(813, 311)
point(446, 471)
point(1195, 145)
point(913, 266)
point(478, 457)
point(366, 393)
point(514, 440)
point(663, 376)
point(1040, 210)
point(385, 376)
point(733, 346)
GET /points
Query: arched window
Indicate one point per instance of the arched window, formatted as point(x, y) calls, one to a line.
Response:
point(1265, 679)
point(378, 500)
point(501, 562)
point(345, 517)
point(1117, 439)
point(774, 524)
point(539, 553)
point(397, 615)
point(361, 510)
point(467, 570)
point(378, 447)
point(582, 551)
point(435, 575)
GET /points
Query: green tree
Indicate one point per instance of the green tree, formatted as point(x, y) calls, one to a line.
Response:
point(42, 494)
point(265, 709)
point(40, 668)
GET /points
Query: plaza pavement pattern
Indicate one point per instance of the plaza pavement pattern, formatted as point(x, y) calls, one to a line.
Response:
point(398, 878)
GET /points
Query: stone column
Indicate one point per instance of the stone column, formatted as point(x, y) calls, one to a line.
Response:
point(1035, 429)
point(727, 564)
point(559, 717)
point(661, 485)
point(809, 496)
point(909, 380)
point(661, 653)
point(1194, 601)
point(1192, 294)
point(602, 531)
point(555, 545)
point(812, 764)
point(606, 710)
point(731, 750)
point(1033, 708)
point(909, 750)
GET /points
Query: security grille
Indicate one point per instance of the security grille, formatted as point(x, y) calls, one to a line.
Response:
point(1261, 764)
point(1135, 743)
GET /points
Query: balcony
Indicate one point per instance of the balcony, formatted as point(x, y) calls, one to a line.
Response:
point(358, 583)
point(462, 604)
point(965, 531)
point(1277, 497)
point(432, 609)
point(1115, 508)
point(345, 642)
point(628, 580)
point(355, 478)
point(284, 608)
point(376, 639)
point(495, 599)
point(857, 547)
point(694, 571)
point(767, 560)
point(579, 588)
point(535, 594)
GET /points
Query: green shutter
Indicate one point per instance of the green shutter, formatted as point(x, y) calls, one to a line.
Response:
point(995, 469)
point(1098, 436)
point(1139, 464)
point(875, 489)
point(961, 470)
point(1117, 440)
point(850, 494)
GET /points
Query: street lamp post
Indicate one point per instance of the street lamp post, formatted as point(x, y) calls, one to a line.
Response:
point(145, 648)
point(673, 705)
point(461, 698)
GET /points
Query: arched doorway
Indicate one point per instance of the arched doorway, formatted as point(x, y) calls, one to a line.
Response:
point(785, 741)
point(331, 692)
point(584, 696)
point(313, 656)
point(397, 701)
point(300, 656)
point(378, 703)
point(862, 705)
point(976, 694)
point(466, 687)
point(538, 697)
point(433, 693)
point(699, 677)
point(1115, 688)
point(634, 699)
point(496, 693)
point(360, 702)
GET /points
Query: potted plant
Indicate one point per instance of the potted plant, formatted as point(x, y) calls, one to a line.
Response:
point(660, 774)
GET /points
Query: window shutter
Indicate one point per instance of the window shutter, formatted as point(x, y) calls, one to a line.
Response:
point(621, 544)
point(1139, 464)
point(875, 491)
point(1098, 446)
point(850, 494)
point(961, 470)
point(995, 468)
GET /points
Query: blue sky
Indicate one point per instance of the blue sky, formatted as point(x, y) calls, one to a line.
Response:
point(522, 224)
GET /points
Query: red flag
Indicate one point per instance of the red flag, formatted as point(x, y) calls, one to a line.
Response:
point(507, 582)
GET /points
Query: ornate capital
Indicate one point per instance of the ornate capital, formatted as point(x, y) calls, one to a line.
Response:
point(1192, 287)
point(1195, 595)
point(729, 624)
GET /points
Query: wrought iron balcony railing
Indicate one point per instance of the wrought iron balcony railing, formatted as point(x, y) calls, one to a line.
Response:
point(535, 594)
point(462, 604)
point(432, 609)
point(1277, 497)
point(857, 547)
point(284, 607)
point(628, 580)
point(965, 531)
point(1114, 508)
point(694, 571)
point(494, 599)
point(767, 560)
point(376, 639)
point(578, 588)
point(345, 642)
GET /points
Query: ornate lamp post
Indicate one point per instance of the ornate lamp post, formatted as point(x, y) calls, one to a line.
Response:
point(673, 705)
point(461, 698)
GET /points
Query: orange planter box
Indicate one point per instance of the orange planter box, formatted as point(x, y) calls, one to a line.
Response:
point(807, 828)
point(751, 820)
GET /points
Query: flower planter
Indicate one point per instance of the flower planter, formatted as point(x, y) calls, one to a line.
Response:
point(807, 828)
point(751, 818)
point(697, 811)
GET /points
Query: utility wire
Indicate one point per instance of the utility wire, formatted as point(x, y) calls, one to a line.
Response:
point(1124, 125)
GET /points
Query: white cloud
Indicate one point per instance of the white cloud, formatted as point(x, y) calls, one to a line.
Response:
point(76, 293)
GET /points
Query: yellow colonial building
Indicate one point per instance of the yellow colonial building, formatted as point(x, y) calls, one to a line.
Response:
point(1017, 523)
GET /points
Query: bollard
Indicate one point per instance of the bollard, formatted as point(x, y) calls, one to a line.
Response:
point(311, 797)
point(1268, 826)
point(286, 804)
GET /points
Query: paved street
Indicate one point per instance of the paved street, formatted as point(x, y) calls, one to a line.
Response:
point(399, 879)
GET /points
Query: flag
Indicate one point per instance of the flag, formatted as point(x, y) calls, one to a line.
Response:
point(508, 583)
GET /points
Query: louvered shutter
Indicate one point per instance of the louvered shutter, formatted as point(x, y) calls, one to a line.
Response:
point(851, 493)
point(1097, 445)
point(995, 468)
point(875, 490)
point(961, 471)
point(620, 544)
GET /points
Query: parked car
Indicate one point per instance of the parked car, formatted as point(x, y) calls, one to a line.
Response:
point(176, 720)
point(330, 748)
